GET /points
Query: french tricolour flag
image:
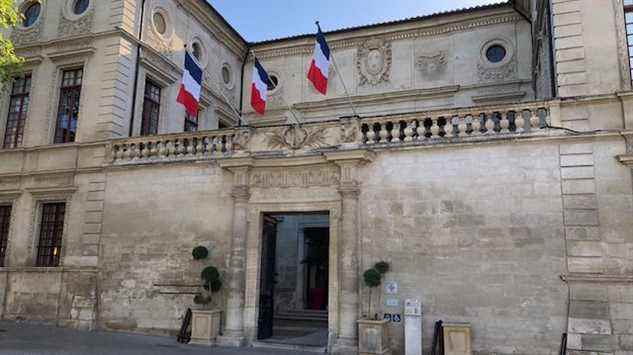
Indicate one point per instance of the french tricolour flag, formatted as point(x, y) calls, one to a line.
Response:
point(191, 86)
point(259, 88)
point(320, 67)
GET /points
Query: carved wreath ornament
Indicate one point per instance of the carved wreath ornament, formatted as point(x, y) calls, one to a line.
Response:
point(296, 138)
point(374, 62)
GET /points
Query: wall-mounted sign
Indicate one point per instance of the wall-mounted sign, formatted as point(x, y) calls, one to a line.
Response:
point(391, 287)
point(392, 302)
point(393, 317)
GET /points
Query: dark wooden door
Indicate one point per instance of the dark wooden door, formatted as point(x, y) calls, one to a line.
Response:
point(267, 279)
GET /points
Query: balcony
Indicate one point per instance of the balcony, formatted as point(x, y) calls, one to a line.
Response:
point(441, 127)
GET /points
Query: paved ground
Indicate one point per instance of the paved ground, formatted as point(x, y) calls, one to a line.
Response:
point(29, 339)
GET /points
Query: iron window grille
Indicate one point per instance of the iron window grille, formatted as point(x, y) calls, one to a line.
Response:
point(51, 231)
point(5, 218)
point(18, 109)
point(68, 112)
point(151, 109)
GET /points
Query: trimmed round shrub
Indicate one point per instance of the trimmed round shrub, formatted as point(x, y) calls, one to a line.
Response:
point(210, 274)
point(200, 253)
point(372, 278)
point(382, 267)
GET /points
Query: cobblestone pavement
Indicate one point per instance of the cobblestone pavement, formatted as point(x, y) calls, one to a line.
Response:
point(29, 339)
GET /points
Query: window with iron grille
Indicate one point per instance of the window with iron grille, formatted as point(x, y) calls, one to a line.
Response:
point(5, 217)
point(51, 231)
point(151, 109)
point(68, 112)
point(628, 18)
point(191, 123)
point(18, 108)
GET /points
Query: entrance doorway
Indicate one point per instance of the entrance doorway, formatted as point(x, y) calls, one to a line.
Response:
point(293, 302)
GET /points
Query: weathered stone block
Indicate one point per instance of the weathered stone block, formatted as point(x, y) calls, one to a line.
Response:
point(582, 233)
point(589, 292)
point(585, 264)
point(589, 310)
point(581, 217)
point(580, 202)
point(576, 160)
point(597, 342)
point(580, 186)
point(577, 172)
point(589, 326)
point(621, 310)
point(584, 248)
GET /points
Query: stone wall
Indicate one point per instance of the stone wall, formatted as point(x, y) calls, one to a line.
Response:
point(477, 235)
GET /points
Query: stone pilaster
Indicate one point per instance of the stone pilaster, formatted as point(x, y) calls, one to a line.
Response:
point(234, 330)
point(349, 245)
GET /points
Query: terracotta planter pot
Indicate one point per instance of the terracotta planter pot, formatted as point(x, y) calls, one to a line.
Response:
point(373, 337)
point(205, 326)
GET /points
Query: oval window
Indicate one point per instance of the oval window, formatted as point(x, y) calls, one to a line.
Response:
point(196, 50)
point(80, 6)
point(495, 53)
point(226, 75)
point(31, 14)
point(273, 81)
point(159, 23)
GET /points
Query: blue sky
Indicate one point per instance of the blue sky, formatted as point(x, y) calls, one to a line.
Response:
point(259, 20)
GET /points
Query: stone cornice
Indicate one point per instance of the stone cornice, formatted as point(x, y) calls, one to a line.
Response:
point(304, 46)
point(626, 159)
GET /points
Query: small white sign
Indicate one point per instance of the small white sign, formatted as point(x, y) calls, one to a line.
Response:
point(391, 288)
point(412, 307)
point(392, 302)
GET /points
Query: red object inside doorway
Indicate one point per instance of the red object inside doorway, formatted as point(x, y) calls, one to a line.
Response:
point(318, 298)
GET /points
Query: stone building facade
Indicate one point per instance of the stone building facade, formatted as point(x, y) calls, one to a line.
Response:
point(489, 164)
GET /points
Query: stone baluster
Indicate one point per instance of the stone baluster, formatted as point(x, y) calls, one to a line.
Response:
point(228, 146)
point(435, 128)
point(504, 122)
point(490, 123)
point(409, 130)
point(118, 152)
point(131, 151)
point(181, 149)
point(191, 147)
point(169, 148)
point(162, 151)
point(462, 125)
point(476, 125)
point(519, 121)
point(395, 132)
point(384, 134)
point(448, 127)
point(421, 130)
point(154, 149)
point(371, 134)
point(534, 119)
point(200, 147)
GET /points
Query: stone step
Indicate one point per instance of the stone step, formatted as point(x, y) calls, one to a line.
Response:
point(267, 344)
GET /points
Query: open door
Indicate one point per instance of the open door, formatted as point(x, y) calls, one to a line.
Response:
point(267, 279)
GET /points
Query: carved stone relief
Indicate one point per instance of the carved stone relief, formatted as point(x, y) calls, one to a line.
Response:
point(373, 62)
point(498, 73)
point(32, 34)
point(350, 130)
point(295, 177)
point(296, 138)
point(81, 25)
point(432, 66)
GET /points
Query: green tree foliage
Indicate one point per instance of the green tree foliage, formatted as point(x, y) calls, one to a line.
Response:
point(9, 61)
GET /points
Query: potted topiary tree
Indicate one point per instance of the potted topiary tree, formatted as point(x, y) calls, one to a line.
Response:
point(205, 319)
point(372, 331)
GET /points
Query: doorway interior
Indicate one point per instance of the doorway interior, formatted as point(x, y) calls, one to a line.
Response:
point(293, 302)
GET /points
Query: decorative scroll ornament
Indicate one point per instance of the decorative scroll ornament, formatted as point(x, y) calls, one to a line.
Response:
point(241, 139)
point(432, 66)
point(296, 138)
point(373, 61)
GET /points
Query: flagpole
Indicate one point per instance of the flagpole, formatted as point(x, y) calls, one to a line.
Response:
point(281, 96)
point(338, 73)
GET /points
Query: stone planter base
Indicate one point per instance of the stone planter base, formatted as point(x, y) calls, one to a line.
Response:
point(373, 337)
point(205, 326)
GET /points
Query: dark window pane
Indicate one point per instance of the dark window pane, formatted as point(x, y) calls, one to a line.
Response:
point(31, 14)
point(51, 232)
point(5, 218)
point(80, 6)
point(495, 53)
point(68, 111)
point(151, 109)
point(191, 123)
point(18, 109)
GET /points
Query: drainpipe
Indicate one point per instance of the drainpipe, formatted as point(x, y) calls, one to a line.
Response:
point(552, 65)
point(137, 68)
point(239, 123)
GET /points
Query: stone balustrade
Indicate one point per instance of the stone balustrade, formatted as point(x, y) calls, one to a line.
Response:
point(482, 122)
point(184, 146)
point(432, 127)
